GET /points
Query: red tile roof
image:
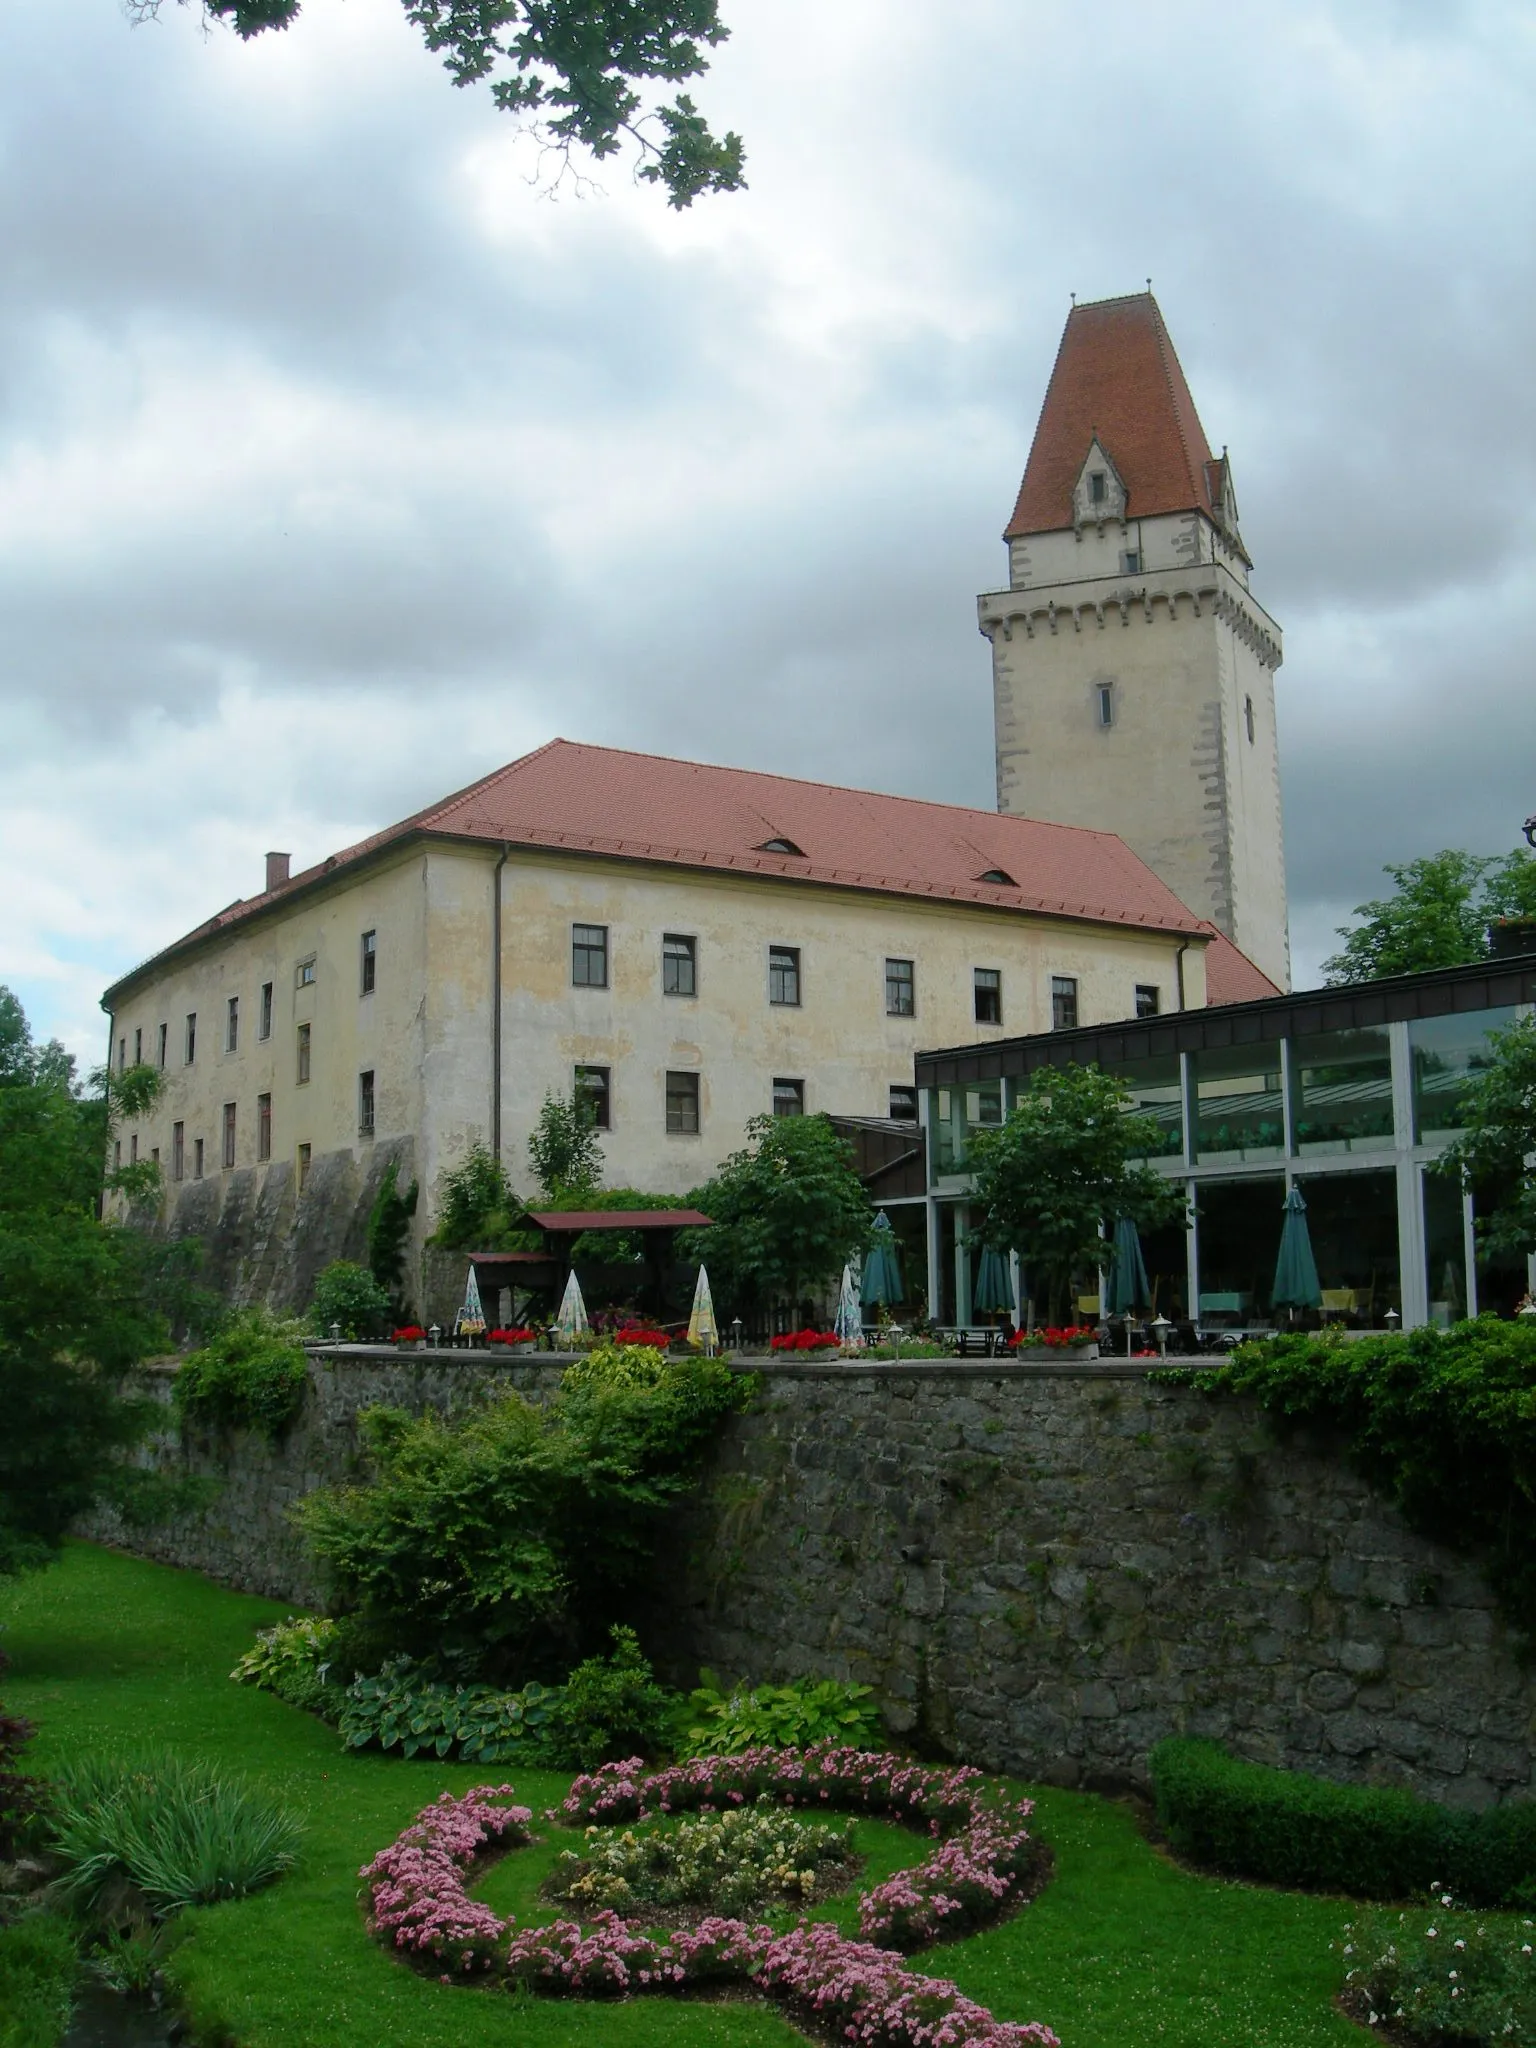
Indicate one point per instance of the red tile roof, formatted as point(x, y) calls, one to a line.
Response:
point(1231, 977)
point(1116, 375)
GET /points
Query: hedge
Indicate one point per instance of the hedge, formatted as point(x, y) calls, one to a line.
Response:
point(1308, 1833)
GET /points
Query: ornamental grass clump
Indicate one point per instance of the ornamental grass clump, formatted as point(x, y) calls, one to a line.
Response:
point(744, 1857)
point(1440, 1974)
point(177, 1832)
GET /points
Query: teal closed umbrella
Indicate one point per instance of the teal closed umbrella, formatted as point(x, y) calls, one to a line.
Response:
point(1296, 1269)
point(881, 1285)
point(1128, 1284)
point(993, 1291)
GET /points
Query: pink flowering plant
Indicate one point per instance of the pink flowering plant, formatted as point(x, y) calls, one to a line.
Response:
point(858, 1991)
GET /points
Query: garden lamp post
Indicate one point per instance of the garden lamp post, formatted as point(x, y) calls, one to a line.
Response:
point(1530, 830)
point(1160, 1328)
point(736, 1333)
point(1391, 1319)
point(436, 1336)
point(335, 1333)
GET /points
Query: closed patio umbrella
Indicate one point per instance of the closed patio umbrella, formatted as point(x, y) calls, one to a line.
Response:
point(470, 1320)
point(702, 1329)
point(571, 1322)
point(881, 1284)
point(993, 1291)
point(1128, 1285)
point(849, 1320)
point(1296, 1269)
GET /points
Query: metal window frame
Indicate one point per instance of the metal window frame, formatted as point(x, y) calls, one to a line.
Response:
point(784, 960)
point(689, 941)
point(583, 948)
point(895, 983)
point(690, 1094)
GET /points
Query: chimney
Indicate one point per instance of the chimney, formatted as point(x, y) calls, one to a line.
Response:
point(277, 870)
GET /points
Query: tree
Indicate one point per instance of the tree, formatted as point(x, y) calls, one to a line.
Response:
point(563, 1149)
point(568, 68)
point(77, 1301)
point(1438, 915)
point(1496, 1156)
point(1061, 1168)
point(788, 1212)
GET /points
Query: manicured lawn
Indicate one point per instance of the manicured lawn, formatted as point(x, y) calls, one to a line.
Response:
point(1121, 1951)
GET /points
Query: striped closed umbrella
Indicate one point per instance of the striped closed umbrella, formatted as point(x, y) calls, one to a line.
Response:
point(849, 1320)
point(571, 1321)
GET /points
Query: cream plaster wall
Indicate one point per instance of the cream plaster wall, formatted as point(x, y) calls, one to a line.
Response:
point(1174, 774)
point(1093, 550)
point(349, 1032)
point(839, 1041)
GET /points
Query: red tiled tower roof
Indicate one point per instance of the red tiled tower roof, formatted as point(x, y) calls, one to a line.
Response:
point(1117, 376)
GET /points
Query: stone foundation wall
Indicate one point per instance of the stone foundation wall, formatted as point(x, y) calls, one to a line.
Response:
point(1043, 1570)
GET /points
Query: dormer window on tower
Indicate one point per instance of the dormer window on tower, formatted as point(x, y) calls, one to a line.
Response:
point(1099, 494)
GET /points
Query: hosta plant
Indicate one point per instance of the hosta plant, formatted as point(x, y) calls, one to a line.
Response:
point(793, 1716)
point(401, 1709)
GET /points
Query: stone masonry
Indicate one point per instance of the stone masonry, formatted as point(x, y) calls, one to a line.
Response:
point(1039, 1569)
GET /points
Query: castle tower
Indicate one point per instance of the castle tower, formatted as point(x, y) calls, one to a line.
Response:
point(1133, 673)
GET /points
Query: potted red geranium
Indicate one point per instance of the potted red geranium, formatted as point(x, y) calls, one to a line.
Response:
point(410, 1336)
point(1051, 1345)
point(518, 1339)
point(805, 1343)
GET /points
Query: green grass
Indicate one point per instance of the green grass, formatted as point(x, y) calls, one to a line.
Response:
point(1122, 1950)
point(37, 1969)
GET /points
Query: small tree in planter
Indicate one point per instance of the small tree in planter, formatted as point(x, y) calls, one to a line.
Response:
point(1059, 1167)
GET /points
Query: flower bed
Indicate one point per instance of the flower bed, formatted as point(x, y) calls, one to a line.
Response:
point(743, 1857)
point(805, 1340)
point(1072, 1338)
point(518, 1336)
point(859, 1989)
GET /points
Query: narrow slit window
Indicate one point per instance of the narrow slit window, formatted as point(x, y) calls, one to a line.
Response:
point(370, 962)
point(1105, 695)
point(264, 1012)
point(191, 1040)
point(365, 1103)
point(228, 1153)
point(305, 1155)
point(178, 1151)
point(232, 1025)
point(1248, 717)
point(138, 1048)
point(263, 1127)
point(303, 1055)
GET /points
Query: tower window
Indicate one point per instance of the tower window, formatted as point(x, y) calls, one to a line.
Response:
point(303, 1055)
point(988, 984)
point(1098, 487)
point(164, 1032)
point(191, 1036)
point(232, 1025)
point(1248, 717)
point(197, 1158)
point(178, 1151)
point(1130, 562)
point(138, 1046)
point(306, 1153)
point(1104, 695)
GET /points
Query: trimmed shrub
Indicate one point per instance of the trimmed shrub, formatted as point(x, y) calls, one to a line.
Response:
point(252, 1375)
point(1308, 1833)
point(612, 1707)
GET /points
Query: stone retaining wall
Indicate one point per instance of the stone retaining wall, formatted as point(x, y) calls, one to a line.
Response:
point(1040, 1569)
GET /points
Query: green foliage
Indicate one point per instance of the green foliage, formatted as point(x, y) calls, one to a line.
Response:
point(389, 1225)
point(1438, 915)
point(78, 1306)
point(179, 1832)
point(477, 1210)
point(1442, 1422)
point(731, 1862)
point(788, 1211)
point(304, 1642)
point(402, 1709)
point(781, 1716)
point(1437, 1974)
point(1289, 1828)
point(514, 1532)
point(611, 1708)
point(564, 1153)
point(38, 1966)
point(1060, 1168)
point(1499, 1108)
point(251, 1375)
point(19, 1794)
point(568, 72)
point(349, 1296)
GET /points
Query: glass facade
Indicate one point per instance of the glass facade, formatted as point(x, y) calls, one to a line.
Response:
point(1237, 1226)
point(1341, 1092)
point(1156, 1089)
point(1239, 1104)
point(956, 1113)
point(1447, 1052)
point(1445, 1250)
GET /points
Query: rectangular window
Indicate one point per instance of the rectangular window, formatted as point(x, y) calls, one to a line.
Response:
point(679, 962)
point(592, 1085)
point(229, 1135)
point(1341, 1091)
point(788, 1097)
point(122, 1055)
point(117, 1155)
point(154, 1157)
point(1157, 1091)
point(1147, 999)
point(784, 975)
point(138, 1048)
point(1239, 1110)
point(197, 1158)
point(365, 1103)
point(133, 1149)
point(304, 973)
point(589, 955)
point(1098, 487)
point(903, 1108)
point(178, 1151)
point(191, 1036)
point(164, 1034)
point(370, 962)
point(304, 1158)
point(232, 1025)
point(1105, 695)
point(1130, 562)
point(263, 1127)
point(1448, 1055)
point(900, 989)
point(303, 1054)
point(264, 1014)
point(1063, 1002)
point(682, 1102)
point(989, 994)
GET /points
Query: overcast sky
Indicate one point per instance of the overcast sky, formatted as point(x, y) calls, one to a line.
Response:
point(338, 464)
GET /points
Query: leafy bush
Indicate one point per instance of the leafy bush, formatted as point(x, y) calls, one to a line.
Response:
point(251, 1375)
point(19, 1794)
point(1289, 1828)
point(1438, 1974)
point(349, 1298)
point(403, 1709)
point(301, 1643)
point(611, 1707)
point(514, 1532)
point(731, 1861)
point(177, 1831)
point(477, 1210)
point(780, 1717)
point(1442, 1422)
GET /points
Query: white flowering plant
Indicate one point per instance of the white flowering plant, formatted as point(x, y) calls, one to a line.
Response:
point(1440, 1973)
point(745, 1857)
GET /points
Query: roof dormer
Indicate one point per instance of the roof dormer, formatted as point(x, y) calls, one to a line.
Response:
point(1099, 494)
